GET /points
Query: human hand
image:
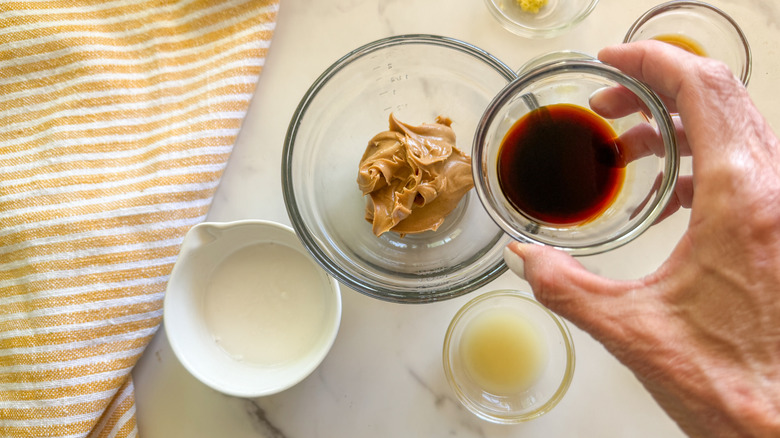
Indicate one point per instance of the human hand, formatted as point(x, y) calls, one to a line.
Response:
point(702, 333)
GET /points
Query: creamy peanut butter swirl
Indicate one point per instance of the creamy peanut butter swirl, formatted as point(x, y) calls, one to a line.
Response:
point(414, 175)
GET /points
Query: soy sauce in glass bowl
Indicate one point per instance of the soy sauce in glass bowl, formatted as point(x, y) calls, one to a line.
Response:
point(586, 197)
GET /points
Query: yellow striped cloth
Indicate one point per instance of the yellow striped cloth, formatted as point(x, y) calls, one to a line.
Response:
point(116, 120)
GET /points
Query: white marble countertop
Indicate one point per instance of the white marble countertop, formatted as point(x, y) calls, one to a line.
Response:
point(384, 377)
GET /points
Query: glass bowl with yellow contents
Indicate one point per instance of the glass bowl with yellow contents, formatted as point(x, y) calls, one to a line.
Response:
point(540, 18)
point(507, 358)
point(576, 155)
point(699, 28)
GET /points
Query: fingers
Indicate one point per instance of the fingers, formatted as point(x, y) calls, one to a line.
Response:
point(644, 139)
point(711, 101)
point(681, 198)
point(564, 286)
point(664, 67)
point(618, 101)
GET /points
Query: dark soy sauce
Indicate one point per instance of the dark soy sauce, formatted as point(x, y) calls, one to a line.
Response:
point(561, 164)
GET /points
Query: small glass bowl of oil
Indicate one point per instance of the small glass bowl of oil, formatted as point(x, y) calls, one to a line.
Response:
point(507, 358)
point(699, 28)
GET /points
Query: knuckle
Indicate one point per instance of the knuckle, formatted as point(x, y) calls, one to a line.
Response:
point(763, 217)
point(544, 284)
point(716, 74)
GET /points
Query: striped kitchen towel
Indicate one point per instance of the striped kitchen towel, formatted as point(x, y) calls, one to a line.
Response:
point(116, 120)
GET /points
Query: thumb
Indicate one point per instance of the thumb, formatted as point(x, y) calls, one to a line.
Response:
point(593, 303)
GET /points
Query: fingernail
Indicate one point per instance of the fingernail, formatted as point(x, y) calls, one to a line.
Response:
point(514, 262)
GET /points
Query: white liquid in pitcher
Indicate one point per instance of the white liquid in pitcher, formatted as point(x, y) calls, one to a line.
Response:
point(265, 304)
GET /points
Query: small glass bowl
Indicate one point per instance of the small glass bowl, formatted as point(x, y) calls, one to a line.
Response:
point(554, 18)
point(715, 31)
point(557, 359)
point(551, 57)
point(416, 78)
point(650, 175)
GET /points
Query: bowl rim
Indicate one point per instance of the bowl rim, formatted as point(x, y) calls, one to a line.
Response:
point(524, 30)
point(659, 112)
point(399, 294)
point(566, 336)
point(659, 9)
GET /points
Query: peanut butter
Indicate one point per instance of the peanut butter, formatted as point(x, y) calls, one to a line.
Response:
point(414, 176)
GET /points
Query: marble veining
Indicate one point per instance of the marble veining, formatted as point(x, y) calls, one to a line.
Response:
point(439, 399)
point(260, 420)
point(384, 377)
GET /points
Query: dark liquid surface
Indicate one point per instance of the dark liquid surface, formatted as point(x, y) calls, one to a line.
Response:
point(561, 164)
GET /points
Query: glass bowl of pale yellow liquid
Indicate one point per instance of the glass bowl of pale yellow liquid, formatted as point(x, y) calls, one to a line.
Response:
point(699, 28)
point(507, 358)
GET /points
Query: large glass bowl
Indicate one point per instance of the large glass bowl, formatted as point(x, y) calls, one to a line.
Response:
point(644, 128)
point(415, 77)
